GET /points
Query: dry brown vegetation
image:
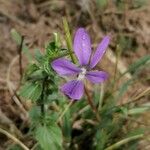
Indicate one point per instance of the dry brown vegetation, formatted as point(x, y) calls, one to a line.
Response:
point(36, 20)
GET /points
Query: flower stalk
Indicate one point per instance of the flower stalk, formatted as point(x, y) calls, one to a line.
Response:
point(74, 89)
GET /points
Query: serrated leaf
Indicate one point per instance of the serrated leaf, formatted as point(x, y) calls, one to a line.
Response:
point(51, 49)
point(35, 114)
point(31, 68)
point(37, 75)
point(31, 91)
point(50, 138)
point(38, 56)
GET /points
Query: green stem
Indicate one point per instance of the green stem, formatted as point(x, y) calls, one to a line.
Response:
point(68, 39)
point(101, 96)
point(124, 141)
point(42, 97)
point(66, 109)
point(61, 55)
point(90, 101)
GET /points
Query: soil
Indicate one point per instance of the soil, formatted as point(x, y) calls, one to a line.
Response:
point(37, 20)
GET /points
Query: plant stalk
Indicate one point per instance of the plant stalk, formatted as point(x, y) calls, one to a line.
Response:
point(124, 141)
point(68, 39)
point(20, 57)
point(42, 97)
point(92, 105)
point(66, 109)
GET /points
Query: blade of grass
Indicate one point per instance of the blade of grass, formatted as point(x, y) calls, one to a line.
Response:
point(124, 141)
point(68, 39)
point(13, 138)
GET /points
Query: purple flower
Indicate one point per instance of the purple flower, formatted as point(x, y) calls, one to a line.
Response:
point(82, 48)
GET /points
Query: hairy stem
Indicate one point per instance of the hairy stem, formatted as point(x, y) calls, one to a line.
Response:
point(42, 97)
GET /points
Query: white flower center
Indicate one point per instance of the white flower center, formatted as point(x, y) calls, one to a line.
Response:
point(82, 74)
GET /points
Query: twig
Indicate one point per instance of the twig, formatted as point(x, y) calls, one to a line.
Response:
point(11, 17)
point(144, 93)
point(92, 105)
point(34, 146)
point(4, 121)
point(20, 57)
point(11, 91)
point(14, 139)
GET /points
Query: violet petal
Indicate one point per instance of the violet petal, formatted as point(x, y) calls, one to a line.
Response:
point(82, 46)
point(73, 89)
point(96, 57)
point(96, 76)
point(65, 67)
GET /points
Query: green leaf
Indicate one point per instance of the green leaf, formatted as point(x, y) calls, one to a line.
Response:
point(120, 4)
point(102, 3)
point(136, 131)
point(124, 141)
point(123, 89)
point(101, 139)
point(51, 49)
point(133, 68)
point(31, 91)
point(57, 39)
point(38, 56)
point(37, 75)
point(17, 38)
point(14, 147)
point(138, 110)
point(35, 114)
point(127, 43)
point(67, 126)
point(31, 69)
point(139, 3)
point(52, 97)
point(49, 137)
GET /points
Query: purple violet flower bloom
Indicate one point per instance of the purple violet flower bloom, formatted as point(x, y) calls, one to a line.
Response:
point(82, 48)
